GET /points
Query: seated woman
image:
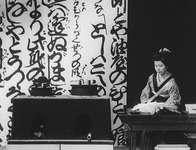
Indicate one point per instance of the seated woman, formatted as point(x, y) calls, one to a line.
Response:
point(161, 88)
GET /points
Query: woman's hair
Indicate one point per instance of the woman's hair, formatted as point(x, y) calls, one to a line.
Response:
point(163, 55)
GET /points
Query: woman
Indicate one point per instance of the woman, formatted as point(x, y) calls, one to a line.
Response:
point(161, 88)
point(161, 84)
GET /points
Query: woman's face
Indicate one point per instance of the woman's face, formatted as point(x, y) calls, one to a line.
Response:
point(160, 67)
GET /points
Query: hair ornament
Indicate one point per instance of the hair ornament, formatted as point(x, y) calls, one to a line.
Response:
point(162, 50)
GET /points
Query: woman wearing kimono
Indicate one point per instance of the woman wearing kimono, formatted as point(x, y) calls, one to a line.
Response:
point(162, 88)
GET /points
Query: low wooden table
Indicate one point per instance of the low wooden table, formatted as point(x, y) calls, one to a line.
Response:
point(164, 122)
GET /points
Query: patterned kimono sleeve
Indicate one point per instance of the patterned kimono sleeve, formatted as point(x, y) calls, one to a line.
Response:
point(174, 95)
point(145, 95)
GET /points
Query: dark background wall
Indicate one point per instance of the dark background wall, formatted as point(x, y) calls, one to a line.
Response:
point(155, 24)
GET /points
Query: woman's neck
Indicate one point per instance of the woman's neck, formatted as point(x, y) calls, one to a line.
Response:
point(165, 74)
point(162, 77)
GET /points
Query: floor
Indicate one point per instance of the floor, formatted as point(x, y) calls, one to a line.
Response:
point(115, 148)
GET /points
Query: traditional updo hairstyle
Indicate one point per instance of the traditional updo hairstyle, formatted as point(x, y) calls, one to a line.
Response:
point(163, 55)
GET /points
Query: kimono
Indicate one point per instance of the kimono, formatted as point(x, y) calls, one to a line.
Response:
point(170, 93)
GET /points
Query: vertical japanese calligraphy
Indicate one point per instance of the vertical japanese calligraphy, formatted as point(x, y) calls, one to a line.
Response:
point(118, 75)
point(65, 41)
